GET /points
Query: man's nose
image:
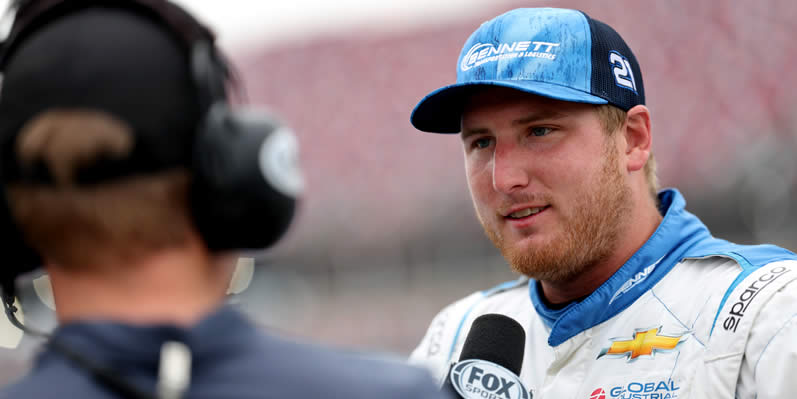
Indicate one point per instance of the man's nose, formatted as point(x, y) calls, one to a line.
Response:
point(509, 169)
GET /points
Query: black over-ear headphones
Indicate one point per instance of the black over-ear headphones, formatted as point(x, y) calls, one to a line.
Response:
point(245, 174)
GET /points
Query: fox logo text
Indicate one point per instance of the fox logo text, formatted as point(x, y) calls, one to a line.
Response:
point(480, 379)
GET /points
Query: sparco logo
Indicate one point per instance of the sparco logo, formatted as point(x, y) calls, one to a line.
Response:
point(480, 379)
point(482, 53)
point(746, 297)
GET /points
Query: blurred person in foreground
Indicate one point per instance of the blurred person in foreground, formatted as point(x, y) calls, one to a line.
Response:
point(134, 183)
point(624, 293)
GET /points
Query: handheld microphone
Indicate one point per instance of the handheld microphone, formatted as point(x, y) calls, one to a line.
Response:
point(490, 362)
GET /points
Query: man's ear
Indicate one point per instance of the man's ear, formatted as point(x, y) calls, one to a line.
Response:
point(638, 137)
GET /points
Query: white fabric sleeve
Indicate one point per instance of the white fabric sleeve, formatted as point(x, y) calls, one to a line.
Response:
point(435, 348)
point(769, 369)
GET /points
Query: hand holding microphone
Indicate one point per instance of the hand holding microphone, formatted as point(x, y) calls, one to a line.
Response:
point(490, 362)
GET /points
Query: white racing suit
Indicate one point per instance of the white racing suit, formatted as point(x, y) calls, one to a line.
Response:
point(687, 316)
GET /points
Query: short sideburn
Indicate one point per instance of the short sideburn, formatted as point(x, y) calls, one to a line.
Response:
point(612, 119)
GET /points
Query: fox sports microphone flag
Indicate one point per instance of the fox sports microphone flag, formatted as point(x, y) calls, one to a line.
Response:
point(491, 359)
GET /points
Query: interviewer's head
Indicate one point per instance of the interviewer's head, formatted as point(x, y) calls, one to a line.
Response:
point(97, 117)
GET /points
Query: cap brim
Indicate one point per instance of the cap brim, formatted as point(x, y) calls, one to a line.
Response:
point(441, 110)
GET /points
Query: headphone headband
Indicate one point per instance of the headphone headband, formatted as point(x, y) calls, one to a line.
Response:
point(207, 70)
point(32, 14)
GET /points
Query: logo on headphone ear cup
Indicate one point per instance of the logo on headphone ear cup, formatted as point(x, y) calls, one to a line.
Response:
point(279, 162)
point(242, 198)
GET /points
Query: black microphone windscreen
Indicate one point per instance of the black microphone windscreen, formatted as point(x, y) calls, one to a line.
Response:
point(498, 339)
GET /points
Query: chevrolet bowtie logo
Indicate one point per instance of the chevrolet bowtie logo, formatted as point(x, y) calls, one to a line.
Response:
point(646, 342)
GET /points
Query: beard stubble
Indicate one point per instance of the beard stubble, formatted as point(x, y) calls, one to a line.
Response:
point(591, 230)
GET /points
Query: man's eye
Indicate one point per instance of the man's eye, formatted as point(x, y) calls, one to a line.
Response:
point(483, 142)
point(538, 131)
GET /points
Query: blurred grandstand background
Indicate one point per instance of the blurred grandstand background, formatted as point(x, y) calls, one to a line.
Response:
point(386, 234)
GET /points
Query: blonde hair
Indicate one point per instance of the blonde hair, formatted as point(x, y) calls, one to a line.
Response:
point(69, 223)
point(612, 119)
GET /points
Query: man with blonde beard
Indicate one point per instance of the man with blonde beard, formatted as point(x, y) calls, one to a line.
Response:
point(131, 180)
point(624, 293)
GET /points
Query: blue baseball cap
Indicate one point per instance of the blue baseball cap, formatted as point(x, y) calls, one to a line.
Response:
point(551, 52)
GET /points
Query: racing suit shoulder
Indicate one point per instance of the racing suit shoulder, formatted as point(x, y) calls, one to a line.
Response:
point(751, 351)
point(770, 355)
point(450, 326)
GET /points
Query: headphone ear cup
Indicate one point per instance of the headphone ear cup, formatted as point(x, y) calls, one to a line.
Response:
point(246, 179)
point(18, 257)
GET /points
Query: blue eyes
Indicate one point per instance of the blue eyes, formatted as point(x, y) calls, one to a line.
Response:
point(486, 141)
point(538, 131)
point(483, 142)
